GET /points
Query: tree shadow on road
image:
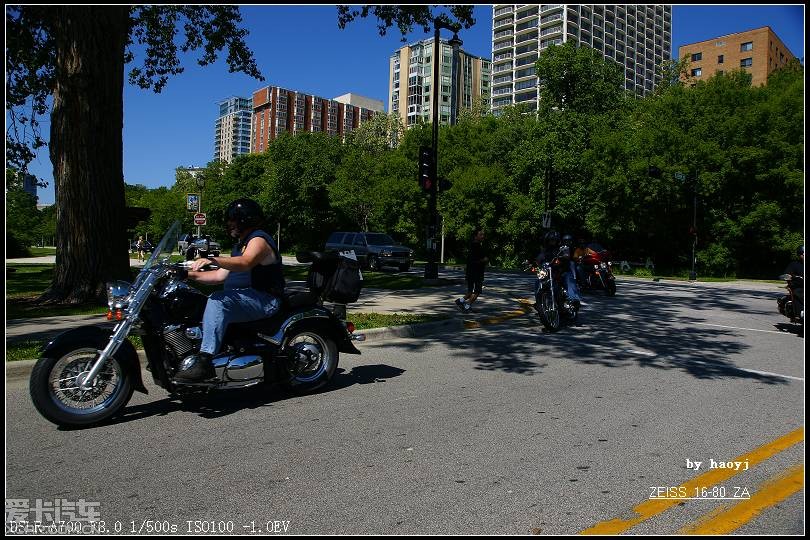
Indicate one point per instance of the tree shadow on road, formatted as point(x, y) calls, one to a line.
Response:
point(648, 325)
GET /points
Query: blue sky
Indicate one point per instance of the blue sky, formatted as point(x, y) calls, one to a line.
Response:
point(302, 48)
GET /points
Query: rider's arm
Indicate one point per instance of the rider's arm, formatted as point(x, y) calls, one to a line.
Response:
point(257, 252)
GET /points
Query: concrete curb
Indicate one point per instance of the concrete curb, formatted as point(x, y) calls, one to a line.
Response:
point(412, 330)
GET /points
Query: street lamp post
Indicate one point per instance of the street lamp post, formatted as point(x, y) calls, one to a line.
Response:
point(684, 177)
point(432, 266)
point(200, 181)
point(693, 274)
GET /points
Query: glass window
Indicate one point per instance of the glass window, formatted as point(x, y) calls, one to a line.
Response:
point(349, 239)
point(748, 46)
point(697, 56)
point(746, 62)
point(720, 59)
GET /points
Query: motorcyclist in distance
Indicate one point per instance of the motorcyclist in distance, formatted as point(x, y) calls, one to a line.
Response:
point(554, 248)
point(796, 268)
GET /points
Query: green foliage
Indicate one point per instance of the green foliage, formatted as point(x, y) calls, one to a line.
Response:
point(407, 16)
point(740, 148)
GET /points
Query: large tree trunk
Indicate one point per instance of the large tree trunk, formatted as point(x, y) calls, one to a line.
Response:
point(86, 150)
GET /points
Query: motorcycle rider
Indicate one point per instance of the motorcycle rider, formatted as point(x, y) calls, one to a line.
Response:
point(796, 268)
point(253, 285)
point(553, 248)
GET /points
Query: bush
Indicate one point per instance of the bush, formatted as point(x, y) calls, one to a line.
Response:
point(15, 248)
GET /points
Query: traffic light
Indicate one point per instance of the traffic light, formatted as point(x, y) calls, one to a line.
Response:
point(426, 175)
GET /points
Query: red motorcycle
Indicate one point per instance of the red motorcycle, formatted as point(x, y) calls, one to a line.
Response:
point(594, 270)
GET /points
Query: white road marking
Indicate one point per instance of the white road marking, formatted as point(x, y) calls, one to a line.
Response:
point(749, 329)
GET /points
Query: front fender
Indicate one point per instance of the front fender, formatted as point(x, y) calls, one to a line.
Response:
point(98, 337)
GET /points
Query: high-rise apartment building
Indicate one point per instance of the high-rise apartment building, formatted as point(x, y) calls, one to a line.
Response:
point(277, 110)
point(758, 51)
point(410, 88)
point(232, 135)
point(637, 37)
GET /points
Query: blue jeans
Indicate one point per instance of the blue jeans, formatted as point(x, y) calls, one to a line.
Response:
point(233, 306)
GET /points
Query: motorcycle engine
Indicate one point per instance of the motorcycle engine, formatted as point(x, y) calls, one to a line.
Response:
point(182, 342)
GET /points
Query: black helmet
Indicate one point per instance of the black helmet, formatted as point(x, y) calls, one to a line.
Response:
point(552, 238)
point(246, 213)
point(567, 240)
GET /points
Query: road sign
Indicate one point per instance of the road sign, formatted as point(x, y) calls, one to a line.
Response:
point(193, 202)
point(680, 176)
point(199, 219)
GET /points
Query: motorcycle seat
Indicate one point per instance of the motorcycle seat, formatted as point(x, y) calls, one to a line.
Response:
point(299, 300)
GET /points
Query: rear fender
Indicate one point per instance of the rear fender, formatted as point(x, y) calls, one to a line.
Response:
point(319, 319)
point(98, 337)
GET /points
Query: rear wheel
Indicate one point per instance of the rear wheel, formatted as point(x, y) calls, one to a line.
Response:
point(57, 394)
point(311, 360)
point(549, 313)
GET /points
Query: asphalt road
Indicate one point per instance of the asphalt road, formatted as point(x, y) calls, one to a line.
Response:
point(501, 430)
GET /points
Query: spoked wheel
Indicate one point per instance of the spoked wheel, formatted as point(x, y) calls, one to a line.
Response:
point(311, 360)
point(549, 313)
point(59, 395)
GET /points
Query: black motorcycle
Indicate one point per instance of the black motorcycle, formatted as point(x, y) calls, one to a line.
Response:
point(551, 297)
point(791, 305)
point(88, 374)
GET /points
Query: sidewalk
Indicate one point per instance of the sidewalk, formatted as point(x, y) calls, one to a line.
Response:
point(427, 301)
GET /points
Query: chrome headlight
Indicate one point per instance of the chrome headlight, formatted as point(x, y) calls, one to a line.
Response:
point(543, 274)
point(118, 294)
point(603, 266)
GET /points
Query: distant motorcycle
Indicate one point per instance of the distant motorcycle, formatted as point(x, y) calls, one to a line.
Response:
point(596, 270)
point(88, 374)
point(791, 305)
point(551, 299)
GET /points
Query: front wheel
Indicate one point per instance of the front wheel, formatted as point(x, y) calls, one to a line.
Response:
point(311, 360)
point(57, 394)
point(610, 287)
point(549, 313)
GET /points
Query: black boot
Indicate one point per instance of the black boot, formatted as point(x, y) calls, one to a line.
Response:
point(195, 368)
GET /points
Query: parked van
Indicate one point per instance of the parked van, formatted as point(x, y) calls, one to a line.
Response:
point(373, 250)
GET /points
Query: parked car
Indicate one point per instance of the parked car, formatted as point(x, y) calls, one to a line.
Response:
point(199, 247)
point(373, 250)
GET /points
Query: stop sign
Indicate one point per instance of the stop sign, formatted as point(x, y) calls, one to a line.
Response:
point(199, 219)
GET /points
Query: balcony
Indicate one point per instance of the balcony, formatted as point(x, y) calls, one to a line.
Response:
point(526, 13)
point(502, 33)
point(502, 45)
point(503, 10)
point(503, 22)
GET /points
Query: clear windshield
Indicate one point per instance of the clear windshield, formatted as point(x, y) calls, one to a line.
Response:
point(379, 240)
point(165, 246)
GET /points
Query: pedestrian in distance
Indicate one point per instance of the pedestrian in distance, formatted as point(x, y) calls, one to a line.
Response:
point(141, 248)
point(477, 260)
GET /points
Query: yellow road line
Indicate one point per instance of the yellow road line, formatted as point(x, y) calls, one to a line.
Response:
point(495, 320)
point(653, 507)
point(727, 519)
